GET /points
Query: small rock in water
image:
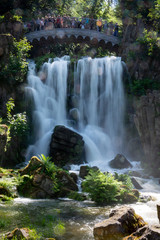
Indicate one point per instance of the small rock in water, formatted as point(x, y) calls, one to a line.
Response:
point(120, 162)
point(135, 183)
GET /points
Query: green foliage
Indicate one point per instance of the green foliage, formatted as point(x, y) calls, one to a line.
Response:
point(150, 42)
point(154, 14)
point(42, 59)
point(125, 179)
point(102, 187)
point(140, 86)
point(105, 188)
point(10, 106)
point(59, 229)
point(15, 69)
point(24, 184)
point(18, 126)
point(2, 223)
point(33, 235)
point(17, 18)
point(76, 196)
point(8, 184)
point(75, 51)
point(51, 170)
point(1, 18)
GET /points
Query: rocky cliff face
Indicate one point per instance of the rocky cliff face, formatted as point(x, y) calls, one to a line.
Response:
point(147, 120)
point(139, 64)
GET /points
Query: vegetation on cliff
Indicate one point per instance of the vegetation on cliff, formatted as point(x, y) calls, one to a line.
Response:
point(14, 69)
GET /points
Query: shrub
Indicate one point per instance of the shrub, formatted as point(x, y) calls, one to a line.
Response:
point(76, 196)
point(105, 188)
point(139, 87)
point(125, 179)
point(102, 187)
point(18, 126)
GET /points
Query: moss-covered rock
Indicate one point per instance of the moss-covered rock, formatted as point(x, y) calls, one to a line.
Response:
point(43, 179)
point(33, 165)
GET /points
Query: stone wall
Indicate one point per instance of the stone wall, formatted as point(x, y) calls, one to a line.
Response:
point(13, 28)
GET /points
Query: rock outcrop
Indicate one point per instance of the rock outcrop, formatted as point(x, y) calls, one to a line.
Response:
point(67, 147)
point(147, 121)
point(140, 65)
point(122, 222)
point(39, 183)
point(120, 162)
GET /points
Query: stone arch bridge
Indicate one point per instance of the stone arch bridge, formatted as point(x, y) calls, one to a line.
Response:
point(41, 40)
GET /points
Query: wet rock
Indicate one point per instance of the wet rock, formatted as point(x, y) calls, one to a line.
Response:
point(158, 212)
point(135, 174)
point(121, 222)
point(130, 198)
point(145, 233)
point(144, 198)
point(74, 114)
point(67, 181)
point(84, 170)
point(66, 147)
point(120, 162)
point(74, 176)
point(136, 193)
point(45, 184)
point(18, 233)
point(135, 183)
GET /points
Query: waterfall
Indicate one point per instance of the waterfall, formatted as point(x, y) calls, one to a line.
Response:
point(99, 108)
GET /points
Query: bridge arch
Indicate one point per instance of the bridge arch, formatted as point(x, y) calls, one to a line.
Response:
point(40, 39)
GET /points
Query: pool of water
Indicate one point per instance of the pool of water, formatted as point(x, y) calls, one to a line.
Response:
point(66, 219)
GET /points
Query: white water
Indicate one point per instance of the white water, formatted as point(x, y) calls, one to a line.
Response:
point(100, 105)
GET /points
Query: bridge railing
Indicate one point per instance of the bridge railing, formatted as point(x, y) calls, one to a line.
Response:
point(49, 23)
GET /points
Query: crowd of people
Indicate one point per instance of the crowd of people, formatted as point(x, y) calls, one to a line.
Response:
point(50, 22)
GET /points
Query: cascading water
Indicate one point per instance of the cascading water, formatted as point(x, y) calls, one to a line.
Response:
point(98, 90)
point(49, 99)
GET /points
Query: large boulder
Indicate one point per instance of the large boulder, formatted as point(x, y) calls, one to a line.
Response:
point(38, 183)
point(120, 162)
point(145, 233)
point(66, 147)
point(122, 222)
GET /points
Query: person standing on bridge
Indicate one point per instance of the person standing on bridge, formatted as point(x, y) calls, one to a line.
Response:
point(91, 23)
point(116, 30)
point(42, 23)
point(99, 25)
